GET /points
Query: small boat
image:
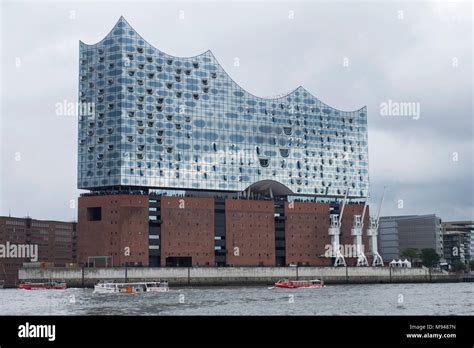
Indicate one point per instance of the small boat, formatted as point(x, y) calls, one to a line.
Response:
point(131, 288)
point(295, 284)
point(52, 285)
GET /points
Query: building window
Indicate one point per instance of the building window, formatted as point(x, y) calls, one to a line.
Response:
point(284, 152)
point(94, 214)
point(264, 162)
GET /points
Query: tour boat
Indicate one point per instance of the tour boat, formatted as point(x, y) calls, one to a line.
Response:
point(43, 286)
point(131, 288)
point(295, 284)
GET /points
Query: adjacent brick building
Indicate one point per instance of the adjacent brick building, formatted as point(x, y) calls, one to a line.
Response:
point(56, 242)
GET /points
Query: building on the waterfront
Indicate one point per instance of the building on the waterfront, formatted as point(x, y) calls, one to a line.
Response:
point(458, 239)
point(55, 241)
point(159, 230)
point(455, 246)
point(397, 233)
point(185, 167)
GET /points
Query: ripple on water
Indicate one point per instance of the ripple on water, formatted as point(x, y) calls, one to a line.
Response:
point(367, 299)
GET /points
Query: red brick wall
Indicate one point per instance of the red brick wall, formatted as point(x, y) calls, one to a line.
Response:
point(53, 238)
point(250, 226)
point(306, 233)
point(14, 234)
point(188, 229)
point(124, 224)
point(57, 248)
point(347, 222)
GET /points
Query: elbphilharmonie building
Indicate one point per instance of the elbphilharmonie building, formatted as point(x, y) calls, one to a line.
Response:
point(160, 121)
point(184, 166)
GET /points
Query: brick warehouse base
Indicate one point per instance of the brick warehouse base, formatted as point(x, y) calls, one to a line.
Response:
point(182, 231)
point(113, 226)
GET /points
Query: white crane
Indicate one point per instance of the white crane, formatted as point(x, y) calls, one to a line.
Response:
point(334, 232)
point(372, 232)
point(356, 232)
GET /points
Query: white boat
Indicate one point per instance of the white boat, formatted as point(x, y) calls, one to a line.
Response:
point(131, 288)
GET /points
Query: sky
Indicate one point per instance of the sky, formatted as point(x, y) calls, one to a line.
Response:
point(347, 53)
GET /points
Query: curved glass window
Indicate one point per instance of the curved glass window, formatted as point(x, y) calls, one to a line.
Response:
point(284, 152)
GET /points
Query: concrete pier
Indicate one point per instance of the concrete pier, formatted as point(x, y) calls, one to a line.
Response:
point(203, 276)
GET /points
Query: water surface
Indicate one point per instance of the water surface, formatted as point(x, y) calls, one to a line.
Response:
point(353, 299)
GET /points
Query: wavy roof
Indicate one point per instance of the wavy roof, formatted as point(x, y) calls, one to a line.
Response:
point(297, 89)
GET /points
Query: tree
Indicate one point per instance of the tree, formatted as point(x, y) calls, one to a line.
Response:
point(471, 265)
point(458, 266)
point(410, 254)
point(429, 257)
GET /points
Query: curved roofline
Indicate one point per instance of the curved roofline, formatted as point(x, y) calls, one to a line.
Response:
point(122, 18)
point(107, 35)
point(273, 184)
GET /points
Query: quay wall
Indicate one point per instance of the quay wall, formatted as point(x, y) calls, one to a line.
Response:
point(205, 276)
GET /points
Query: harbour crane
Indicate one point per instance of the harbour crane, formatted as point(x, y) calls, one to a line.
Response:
point(372, 232)
point(356, 232)
point(334, 232)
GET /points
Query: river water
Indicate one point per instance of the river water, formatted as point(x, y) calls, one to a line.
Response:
point(370, 299)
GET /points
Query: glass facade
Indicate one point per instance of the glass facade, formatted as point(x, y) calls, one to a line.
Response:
point(158, 121)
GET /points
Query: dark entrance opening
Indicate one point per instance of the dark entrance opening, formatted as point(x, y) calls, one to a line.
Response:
point(179, 261)
point(94, 214)
point(280, 261)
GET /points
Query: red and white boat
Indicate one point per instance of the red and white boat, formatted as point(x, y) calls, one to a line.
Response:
point(42, 286)
point(131, 288)
point(295, 284)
